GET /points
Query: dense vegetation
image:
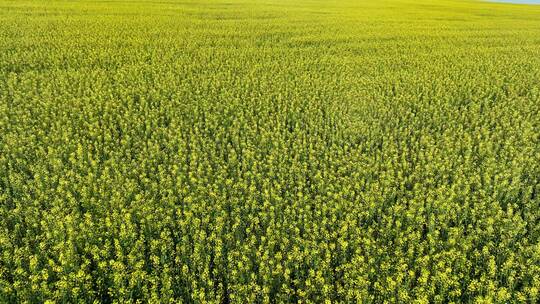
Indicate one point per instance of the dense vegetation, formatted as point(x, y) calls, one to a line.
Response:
point(269, 152)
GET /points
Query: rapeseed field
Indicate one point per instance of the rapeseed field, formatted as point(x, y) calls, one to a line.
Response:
point(269, 151)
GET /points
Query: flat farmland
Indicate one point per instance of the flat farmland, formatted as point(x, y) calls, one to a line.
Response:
point(269, 151)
